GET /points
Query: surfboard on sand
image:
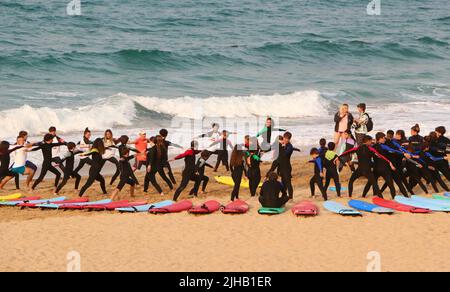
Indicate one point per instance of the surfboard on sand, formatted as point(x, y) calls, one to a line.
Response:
point(368, 207)
point(10, 197)
point(443, 203)
point(398, 206)
point(228, 180)
point(340, 209)
point(440, 197)
point(271, 211)
point(145, 208)
point(236, 207)
point(305, 208)
point(173, 208)
point(43, 201)
point(113, 205)
point(419, 204)
point(60, 206)
point(206, 208)
point(334, 189)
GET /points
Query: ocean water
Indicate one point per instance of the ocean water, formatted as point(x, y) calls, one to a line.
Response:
point(131, 65)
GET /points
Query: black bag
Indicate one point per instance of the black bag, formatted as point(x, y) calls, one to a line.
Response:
point(369, 124)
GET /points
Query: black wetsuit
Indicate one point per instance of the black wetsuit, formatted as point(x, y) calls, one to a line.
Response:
point(189, 172)
point(381, 169)
point(86, 160)
point(317, 179)
point(398, 160)
point(201, 165)
point(332, 171)
point(237, 172)
point(126, 173)
point(95, 172)
point(47, 163)
point(5, 160)
point(254, 171)
point(270, 195)
point(365, 156)
point(166, 163)
point(222, 154)
point(439, 149)
point(433, 174)
point(69, 171)
point(156, 166)
point(266, 134)
point(416, 141)
point(120, 148)
point(283, 164)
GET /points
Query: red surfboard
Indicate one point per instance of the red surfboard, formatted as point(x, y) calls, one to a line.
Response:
point(113, 205)
point(79, 200)
point(397, 206)
point(236, 207)
point(305, 208)
point(174, 208)
point(207, 208)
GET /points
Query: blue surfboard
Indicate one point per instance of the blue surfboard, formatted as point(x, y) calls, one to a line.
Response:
point(447, 194)
point(420, 204)
point(334, 189)
point(56, 206)
point(145, 208)
point(340, 209)
point(431, 201)
point(368, 207)
point(43, 201)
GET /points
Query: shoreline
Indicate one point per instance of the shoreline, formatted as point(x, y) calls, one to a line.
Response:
point(109, 241)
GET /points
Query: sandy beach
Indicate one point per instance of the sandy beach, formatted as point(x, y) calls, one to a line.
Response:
point(36, 240)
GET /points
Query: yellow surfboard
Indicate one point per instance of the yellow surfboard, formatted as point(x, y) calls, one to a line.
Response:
point(10, 197)
point(228, 180)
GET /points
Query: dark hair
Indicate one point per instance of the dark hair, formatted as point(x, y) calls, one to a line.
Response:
point(331, 146)
point(362, 106)
point(390, 133)
point(314, 151)
point(215, 125)
point(273, 176)
point(124, 151)
point(99, 145)
point(48, 137)
point(433, 137)
point(288, 135)
point(224, 132)
point(124, 139)
point(23, 133)
point(441, 130)
point(109, 131)
point(86, 131)
point(4, 147)
point(280, 137)
point(52, 129)
point(416, 128)
point(366, 139)
point(237, 157)
point(160, 147)
point(379, 136)
point(323, 142)
point(71, 145)
point(194, 144)
point(152, 139)
point(401, 133)
point(164, 133)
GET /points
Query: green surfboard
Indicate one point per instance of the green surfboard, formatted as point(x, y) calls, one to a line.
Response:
point(271, 211)
point(439, 197)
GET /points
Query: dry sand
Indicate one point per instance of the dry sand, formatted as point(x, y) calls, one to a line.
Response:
point(35, 240)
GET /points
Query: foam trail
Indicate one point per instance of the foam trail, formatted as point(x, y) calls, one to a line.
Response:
point(299, 104)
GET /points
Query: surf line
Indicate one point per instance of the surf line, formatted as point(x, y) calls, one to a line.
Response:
point(192, 282)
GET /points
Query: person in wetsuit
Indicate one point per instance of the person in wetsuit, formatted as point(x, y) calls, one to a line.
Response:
point(96, 154)
point(47, 166)
point(283, 163)
point(5, 159)
point(415, 139)
point(432, 170)
point(56, 151)
point(156, 160)
point(204, 180)
point(84, 145)
point(109, 155)
point(121, 146)
point(383, 169)
point(21, 165)
point(164, 133)
point(126, 174)
point(69, 172)
point(253, 160)
point(222, 152)
point(365, 154)
point(237, 166)
point(190, 171)
point(266, 134)
point(317, 178)
point(270, 192)
point(331, 168)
